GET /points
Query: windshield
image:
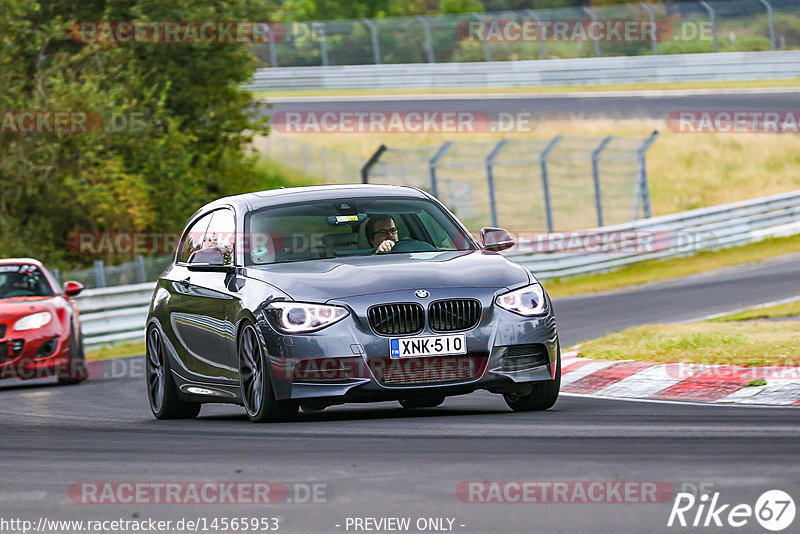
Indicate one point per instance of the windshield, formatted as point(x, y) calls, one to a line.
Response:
point(345, 227)
point(23, 280)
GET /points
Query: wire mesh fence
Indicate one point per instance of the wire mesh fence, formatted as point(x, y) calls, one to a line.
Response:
point(562, 183)
point(682, 27)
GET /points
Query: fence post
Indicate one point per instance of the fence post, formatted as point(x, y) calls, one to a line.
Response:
point(542, 44)
point(598, 200)
point(371, 163)
point(594, 19)
point(319, 28)
point(141, 276)
point(373, 36)
point(771, 22)
point(490, 177)
point(432, 165)
point(652, 15)
point(428, 38)
point(642, 187)
point(545, 184)
point(713, 16)
point(273, 48)
point(487, 52)
point(99, 273)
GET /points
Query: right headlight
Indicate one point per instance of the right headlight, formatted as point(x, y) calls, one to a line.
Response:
point(527, 301)
point(301, 317)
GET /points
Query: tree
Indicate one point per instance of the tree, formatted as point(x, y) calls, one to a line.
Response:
point(172, 122)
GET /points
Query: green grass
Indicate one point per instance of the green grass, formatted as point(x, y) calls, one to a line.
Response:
point(745, 343)
point(656, 270)
point(116, 351)
point(789, 309)
point(535, 89)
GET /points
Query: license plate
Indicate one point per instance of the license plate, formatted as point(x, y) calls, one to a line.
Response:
point(408, 347)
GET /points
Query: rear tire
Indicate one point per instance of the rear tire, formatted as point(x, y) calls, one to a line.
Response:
point(161, 390)
point(432, 402)
point(258, 396)
point(76, 362)
point(543, 395)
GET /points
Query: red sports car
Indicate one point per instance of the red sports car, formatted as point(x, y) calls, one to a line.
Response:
point(40, 329)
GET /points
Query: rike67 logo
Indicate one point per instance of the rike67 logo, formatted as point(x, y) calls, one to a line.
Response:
point(774, 510)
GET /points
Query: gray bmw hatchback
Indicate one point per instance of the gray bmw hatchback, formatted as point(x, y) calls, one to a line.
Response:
point(314, 296)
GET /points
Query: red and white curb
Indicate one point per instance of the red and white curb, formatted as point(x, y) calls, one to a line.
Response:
point(629, 379)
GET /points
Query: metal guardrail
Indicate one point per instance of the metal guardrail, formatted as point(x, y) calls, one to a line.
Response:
point(729, 66)
point(113, 315)
point(674, 235)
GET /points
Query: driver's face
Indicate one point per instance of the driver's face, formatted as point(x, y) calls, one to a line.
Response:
point(383, 230)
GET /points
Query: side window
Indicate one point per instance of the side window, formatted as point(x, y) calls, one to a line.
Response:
point(221, 233)
point(192, 240)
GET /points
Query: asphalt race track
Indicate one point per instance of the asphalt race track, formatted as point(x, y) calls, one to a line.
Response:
point(381, 461)
point(618, 105)
point(681, 300)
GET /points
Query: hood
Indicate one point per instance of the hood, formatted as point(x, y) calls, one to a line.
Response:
point(322, 280)
point(17, 307)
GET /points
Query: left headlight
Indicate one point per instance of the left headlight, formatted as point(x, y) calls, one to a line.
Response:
point(300, 318)
point(527, 301)
point(35, 320)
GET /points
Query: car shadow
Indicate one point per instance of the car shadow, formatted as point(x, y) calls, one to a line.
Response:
point(361, 414)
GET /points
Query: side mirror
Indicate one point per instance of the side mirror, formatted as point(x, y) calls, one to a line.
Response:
point(208, 260)
point(496, 239)
point(72, 289)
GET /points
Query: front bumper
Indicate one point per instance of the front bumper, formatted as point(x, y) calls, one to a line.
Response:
point(42, 354)
point(348, 362)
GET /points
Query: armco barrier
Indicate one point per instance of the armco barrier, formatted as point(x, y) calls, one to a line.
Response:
point(114, 314)
point(728, 66)
point(117, 314)
point(681, 233)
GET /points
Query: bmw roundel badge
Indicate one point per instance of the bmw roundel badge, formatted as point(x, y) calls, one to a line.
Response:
point(421, 294)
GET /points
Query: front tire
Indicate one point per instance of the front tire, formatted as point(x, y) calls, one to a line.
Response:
point(76, 364)
point(255, 384)
point(542, 395)
point(161, 390)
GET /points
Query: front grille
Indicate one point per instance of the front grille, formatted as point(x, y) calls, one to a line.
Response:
point(396, 319)
point(11, 349)
point(453, 315)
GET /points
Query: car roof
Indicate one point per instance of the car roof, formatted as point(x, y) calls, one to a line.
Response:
point(10, 261)
point(285, 195)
